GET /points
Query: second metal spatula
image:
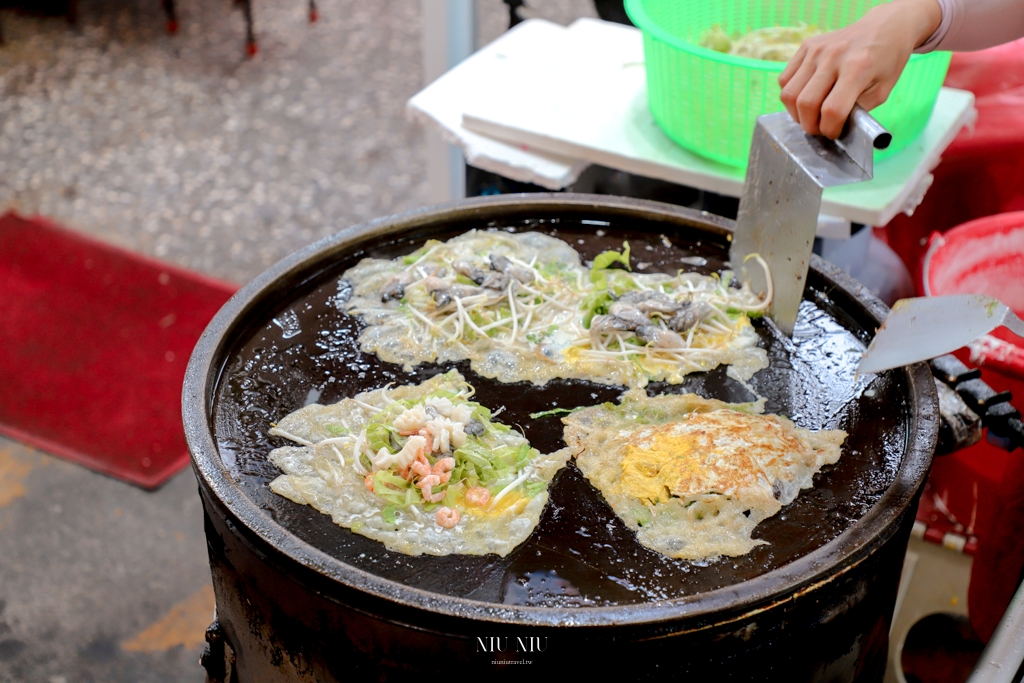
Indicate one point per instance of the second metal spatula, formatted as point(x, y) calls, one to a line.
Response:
point(778, 214)
point(928, 327)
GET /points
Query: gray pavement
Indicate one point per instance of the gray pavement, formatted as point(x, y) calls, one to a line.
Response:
point(180, 148)
point(88, 564)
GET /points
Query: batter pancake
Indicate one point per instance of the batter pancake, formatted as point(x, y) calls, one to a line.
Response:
point(522, 307)
point(422, 468)
point(693, 476)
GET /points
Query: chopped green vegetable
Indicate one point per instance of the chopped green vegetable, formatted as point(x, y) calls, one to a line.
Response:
point(419, 253)
point(552, 412)
point(532, 488)
point(484, 459)
point(378, 436)
point(523, 455)
point(605, 260)
point(596, 303)
point(394, 489)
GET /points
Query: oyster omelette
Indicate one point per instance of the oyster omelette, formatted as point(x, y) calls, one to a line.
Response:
point(422, 469)
point(692, 476)
point(521, 306)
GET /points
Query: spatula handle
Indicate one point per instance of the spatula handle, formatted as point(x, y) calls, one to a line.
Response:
point(861, 136)
point(866, 124)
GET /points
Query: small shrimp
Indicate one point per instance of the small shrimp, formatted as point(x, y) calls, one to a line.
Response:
point(478, 496)
point(443, 469)
point(426, 486)
point(368, 482)
point(421, 466)
point(447, 518)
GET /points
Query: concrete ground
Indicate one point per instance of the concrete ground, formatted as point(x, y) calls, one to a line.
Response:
point(99, 581)
point(180, 148)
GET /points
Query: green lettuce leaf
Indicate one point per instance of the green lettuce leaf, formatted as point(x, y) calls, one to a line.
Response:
point(605, 260)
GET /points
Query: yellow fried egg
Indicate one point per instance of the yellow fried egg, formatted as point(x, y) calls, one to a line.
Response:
point(692, 476)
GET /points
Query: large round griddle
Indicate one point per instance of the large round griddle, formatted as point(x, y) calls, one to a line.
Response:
point(282, 343)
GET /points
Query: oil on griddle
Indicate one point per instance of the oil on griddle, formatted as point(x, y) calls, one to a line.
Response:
point(580, 554)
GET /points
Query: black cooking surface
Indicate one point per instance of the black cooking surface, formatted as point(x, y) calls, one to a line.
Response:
point(580, 554)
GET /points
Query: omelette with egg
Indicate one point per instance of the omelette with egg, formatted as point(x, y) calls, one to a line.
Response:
point(694, 476)
point(420, 468)
point(521, 306)
point(499, 299)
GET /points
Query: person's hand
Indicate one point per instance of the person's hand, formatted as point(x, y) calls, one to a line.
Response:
point(860, 63)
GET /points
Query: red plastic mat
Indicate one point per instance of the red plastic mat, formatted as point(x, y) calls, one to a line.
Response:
point(94, 341)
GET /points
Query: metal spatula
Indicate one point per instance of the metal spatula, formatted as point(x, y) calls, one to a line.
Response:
point(778, 212)
point(928, 327)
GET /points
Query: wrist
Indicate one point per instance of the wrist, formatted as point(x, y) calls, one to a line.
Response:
point(922, 18)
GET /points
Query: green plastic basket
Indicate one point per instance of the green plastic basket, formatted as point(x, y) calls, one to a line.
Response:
point(708, 101)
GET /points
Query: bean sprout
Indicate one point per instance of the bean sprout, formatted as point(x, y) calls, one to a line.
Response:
point(524, 474)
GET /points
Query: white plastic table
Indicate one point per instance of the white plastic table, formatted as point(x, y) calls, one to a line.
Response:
point(543, 102)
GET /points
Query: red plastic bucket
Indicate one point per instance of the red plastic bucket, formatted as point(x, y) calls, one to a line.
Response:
point(985, 256)
point(980, 486)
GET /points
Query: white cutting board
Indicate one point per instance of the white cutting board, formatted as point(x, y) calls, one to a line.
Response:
point(477, 80)
point(587, 99)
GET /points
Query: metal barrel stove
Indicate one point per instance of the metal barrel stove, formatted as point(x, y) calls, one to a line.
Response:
point(300, 599)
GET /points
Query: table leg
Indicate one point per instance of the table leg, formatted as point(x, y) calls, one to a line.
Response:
point(172, 16)
point(250, 34)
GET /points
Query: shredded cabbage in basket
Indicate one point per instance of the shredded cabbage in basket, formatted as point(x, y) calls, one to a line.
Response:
point(772, 43)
